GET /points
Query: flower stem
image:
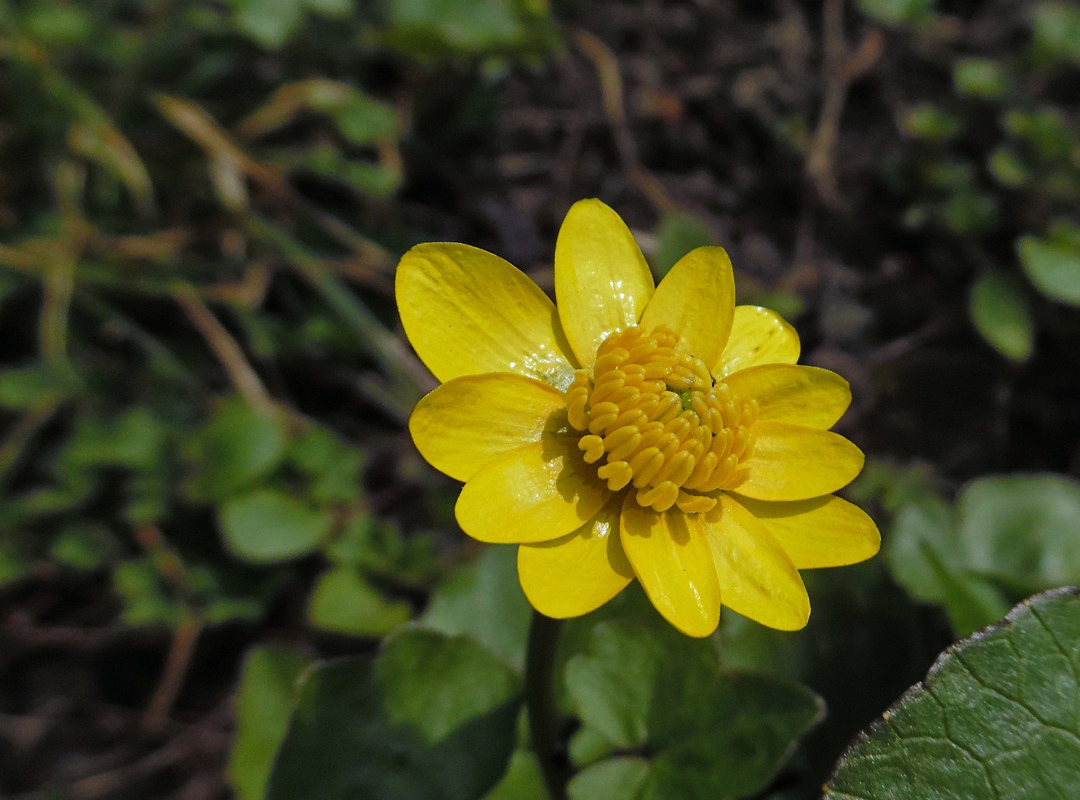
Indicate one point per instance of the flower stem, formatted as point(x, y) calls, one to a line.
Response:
point(541, 702)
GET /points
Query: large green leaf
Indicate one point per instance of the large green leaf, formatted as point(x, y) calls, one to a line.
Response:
point(998, 716)
point(263, 705)
point(708, 734)
point(432, 718)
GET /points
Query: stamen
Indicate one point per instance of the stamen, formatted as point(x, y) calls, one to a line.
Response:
point(651, 416)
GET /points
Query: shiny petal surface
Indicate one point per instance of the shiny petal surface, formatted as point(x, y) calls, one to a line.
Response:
point(696, 299)
point(602, 282)
point(578, 573)
point(758, 336)
point(808, 396)
point(790, 462)
point(757, 579)
point(671, 557)
point(823, 532)
point(468, 312)
point(536, 493)
point(467, 422)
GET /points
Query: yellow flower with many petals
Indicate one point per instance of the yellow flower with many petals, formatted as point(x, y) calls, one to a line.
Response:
point(663, 434)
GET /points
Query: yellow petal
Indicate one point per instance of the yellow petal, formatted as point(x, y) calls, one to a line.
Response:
point(578, 573)
point(808, 396)
point(467, 312)
point(670, 555)
point(790, 462)
point(602, 282)
point(696, 299)
point(823, 532)
point(758, 336)
point(535, 493)
point(467, 422)
point(757, 579)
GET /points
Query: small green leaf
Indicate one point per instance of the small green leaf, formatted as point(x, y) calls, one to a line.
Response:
point(711, 734)
point(27, 387)
point(145, 601)
point(921, 540)
point(233, 450)
point(1008, 168)
point(268, 23)
point(333, 468)
point(898, 12)
point(679, 233)
point(968, 211)
point(931, 123)
point(1056, 30)
point(1053, 267)
point(268, 525)
point(1000, 312)
point(1046, 130)
point(136, 440)
point(523, 780)
point(84, 545)
point(980, 77)
point(1023, 530)
point(343, 602)
point(484, 600)
point(433, 718)
point(619, 778)
point(996, 717)
point(264, 702)
point(424, 29)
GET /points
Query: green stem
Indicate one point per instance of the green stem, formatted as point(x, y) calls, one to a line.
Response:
point(542, 704)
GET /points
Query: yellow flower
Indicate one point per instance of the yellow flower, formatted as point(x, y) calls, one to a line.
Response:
point(662, 434)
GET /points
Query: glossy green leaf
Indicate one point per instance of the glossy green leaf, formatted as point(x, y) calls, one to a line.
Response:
point(709, 734)
point(264, 702)
point(483, 599)
point(1001, 313)
point(996, 717)
point(233, 450)
point(1053, 267)
point(343, 602)
point(432, 718)
point(268, 525)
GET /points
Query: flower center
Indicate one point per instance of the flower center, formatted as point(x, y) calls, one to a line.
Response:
point(656, 419)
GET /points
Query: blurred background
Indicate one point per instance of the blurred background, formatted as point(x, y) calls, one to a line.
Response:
point(206, 481)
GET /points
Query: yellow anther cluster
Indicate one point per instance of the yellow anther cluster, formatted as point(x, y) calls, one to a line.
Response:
point(660, 420)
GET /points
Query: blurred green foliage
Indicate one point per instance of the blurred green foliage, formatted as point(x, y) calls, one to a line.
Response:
point(998, 155)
